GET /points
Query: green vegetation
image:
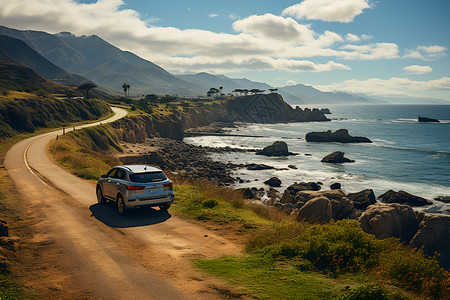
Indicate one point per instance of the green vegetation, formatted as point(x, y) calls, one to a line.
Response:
point(22, 115)
point(292, 260)
point(88, 152)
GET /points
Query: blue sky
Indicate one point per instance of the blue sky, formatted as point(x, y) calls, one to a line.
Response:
point(380, 48)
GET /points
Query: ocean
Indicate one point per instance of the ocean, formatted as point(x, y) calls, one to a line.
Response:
point(405, 154)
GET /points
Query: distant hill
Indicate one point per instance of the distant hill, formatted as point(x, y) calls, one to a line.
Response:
point(310, 95)
point(16, 51)
point(103, 63)
point(207, 81)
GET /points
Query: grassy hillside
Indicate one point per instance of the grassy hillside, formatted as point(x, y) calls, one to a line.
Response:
point(29, 102)
point(28, 114)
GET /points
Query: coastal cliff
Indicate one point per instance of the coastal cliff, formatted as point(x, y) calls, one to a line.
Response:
point(269, 108)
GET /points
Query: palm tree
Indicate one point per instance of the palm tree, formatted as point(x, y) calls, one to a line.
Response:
point(126, 87)
point(87, 86)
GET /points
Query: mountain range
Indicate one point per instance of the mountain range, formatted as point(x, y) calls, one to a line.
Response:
point(69, 59)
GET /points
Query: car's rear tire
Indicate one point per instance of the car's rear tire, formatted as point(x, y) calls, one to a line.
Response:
point(121, 209)
point(164, 206)
point(100, 198)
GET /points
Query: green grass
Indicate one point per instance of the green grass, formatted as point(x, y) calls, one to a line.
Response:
point(88, 152)
point(204, 201)
point(266, 279)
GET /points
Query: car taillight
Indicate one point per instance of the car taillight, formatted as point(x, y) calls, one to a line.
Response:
point(134, 188)
point(168, 186)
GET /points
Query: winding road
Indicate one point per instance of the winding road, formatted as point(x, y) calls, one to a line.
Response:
point(144, 255)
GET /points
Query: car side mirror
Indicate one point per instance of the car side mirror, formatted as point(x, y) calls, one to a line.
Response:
point(103, 176)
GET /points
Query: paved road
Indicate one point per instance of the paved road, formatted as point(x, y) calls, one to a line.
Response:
point(140, 256)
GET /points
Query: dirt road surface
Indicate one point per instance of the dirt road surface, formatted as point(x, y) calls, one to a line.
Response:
point(98, 254)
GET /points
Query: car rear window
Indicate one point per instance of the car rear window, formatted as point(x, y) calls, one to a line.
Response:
point(148, 177)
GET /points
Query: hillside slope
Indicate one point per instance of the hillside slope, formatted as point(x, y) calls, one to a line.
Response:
point(92, 57)
point(16, 51)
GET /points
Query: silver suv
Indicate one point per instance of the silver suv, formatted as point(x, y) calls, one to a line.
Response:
point(134, 186)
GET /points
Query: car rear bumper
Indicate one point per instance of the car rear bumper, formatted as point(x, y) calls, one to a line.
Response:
point(150, 201)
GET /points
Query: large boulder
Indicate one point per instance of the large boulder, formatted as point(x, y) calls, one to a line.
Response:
point(293, 194)
point(403, 197)
point(335, 186)
point(273, 182)
point(362, 199)
point(390, 220)
point(433, 236)
point(316, 210)
point(342, 207)
point(339, 136)
point(278, 148)
point(336, 158)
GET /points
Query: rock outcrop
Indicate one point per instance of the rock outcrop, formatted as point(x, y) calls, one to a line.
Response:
point(390, 220)
point(403, 197)
point(362, 199)
point(428, 120)
point(339, 136)
point(433, 236)
point(278, 148)
point(418, 230)
point(316, 210)
point(335, 186)
point(269, 108)
point(258, 167)
point(273, 182)
point(336, 158)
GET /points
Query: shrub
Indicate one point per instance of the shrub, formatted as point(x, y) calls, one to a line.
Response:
point(210, 203)
point(333, 246)
point(413, 270)
point(371, 292)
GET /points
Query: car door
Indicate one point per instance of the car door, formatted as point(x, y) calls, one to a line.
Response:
point(116, 181)
point(108, 190)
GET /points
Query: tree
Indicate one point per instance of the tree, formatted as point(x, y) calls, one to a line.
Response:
point(126, 87)
point(151, 97)
point(273, 91)
point(213, 92)
point(87, 86)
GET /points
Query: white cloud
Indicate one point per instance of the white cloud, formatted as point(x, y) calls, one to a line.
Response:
point(291, 82)
point(370, 51)
point(233, 17)
point(426, 52)
point(262, 63)
point(416, 69)
point(328, 10)
point(266, 41)
point(352, 37)
point(275, 27)
point(212, 15)
point(390, 87)
point(366, 37)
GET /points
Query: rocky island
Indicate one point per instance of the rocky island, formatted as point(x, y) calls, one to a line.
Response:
point(427, 120)
point(339, 136)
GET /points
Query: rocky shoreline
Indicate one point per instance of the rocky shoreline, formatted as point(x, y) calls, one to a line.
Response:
point(391, 216)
